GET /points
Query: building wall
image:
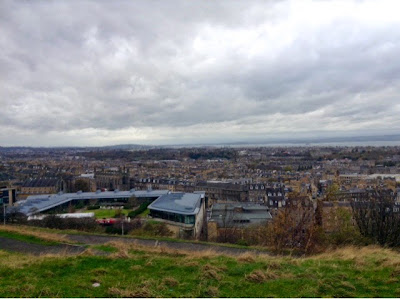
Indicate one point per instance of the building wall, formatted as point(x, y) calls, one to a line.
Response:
point(183, 230)
point(39, 190)
point(200, 219)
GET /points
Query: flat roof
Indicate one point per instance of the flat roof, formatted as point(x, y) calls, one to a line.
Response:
point(237, 214)
point(180, 203)
point(39, 203)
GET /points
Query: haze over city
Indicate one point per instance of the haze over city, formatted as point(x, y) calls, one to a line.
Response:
point(155, 72)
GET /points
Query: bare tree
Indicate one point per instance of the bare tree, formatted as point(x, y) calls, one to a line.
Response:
point(296, 227)
point(229, 231)
point(377, 219)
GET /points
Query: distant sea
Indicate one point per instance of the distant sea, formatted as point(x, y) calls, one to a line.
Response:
point(315, 144)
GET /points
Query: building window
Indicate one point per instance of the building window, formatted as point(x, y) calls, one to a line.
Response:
point(189, 219)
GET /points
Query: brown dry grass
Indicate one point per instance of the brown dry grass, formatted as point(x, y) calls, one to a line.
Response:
point(392, 280)
point(273, 264)
point(17, 260)
point(260, 276)
point(170, 281)
point(34, 232)
point(353, 253)
point(212, 272)
point(246, 258)
point(212, 292)
point(190, 263)
point(188, 255)
point(88, 252)
point(362, 256)
point(137, 293)
point(348, 285)
point(122, 249)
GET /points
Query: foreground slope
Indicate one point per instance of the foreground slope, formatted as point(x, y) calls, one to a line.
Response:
point(131, 270)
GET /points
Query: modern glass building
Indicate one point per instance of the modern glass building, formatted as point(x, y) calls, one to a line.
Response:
point(182, 210)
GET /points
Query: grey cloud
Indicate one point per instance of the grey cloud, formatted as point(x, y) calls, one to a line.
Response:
point(168, 67)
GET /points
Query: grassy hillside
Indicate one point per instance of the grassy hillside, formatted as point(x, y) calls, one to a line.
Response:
point(134, 271)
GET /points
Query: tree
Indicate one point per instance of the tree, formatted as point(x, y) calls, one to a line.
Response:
point(295, 227)
point(287, 168)
point(230, 232)
point(332, 192)
point(132, 202)
point(82, 185)
point(376, 218)
point(339, 226)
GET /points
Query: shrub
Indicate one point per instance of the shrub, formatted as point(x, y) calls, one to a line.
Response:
point(53, 221)
point(153, 229)
point(128, 227)
point(94, 207)
point(79, 205)
point(139, 210)
point(242, 242)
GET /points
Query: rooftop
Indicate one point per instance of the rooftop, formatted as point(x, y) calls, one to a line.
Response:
point(43, 182)
point(181, 203)
point(233, 214)
point(39, 203)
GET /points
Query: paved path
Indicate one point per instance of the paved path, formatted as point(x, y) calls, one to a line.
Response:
point(38, 249)
point(187, 246)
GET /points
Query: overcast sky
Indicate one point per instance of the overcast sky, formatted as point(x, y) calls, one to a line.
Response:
point(168, 72)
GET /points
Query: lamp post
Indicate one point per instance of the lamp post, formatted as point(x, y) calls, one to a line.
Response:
point(122, 224)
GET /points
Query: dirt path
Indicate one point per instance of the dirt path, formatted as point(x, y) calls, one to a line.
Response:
point(38, 249)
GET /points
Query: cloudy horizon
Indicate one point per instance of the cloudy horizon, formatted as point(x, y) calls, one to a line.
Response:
point(93, 73)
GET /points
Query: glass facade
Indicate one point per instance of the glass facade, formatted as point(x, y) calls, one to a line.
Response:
point(187, 219)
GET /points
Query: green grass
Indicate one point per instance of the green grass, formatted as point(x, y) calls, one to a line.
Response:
point(105, 248)
point(106, 213)
point(26, 238)
point(145, 213)
point(164, 274)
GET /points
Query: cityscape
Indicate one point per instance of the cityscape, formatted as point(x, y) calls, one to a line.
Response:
point(240, 149)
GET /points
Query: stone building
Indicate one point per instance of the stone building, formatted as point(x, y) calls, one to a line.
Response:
point(41, 186)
